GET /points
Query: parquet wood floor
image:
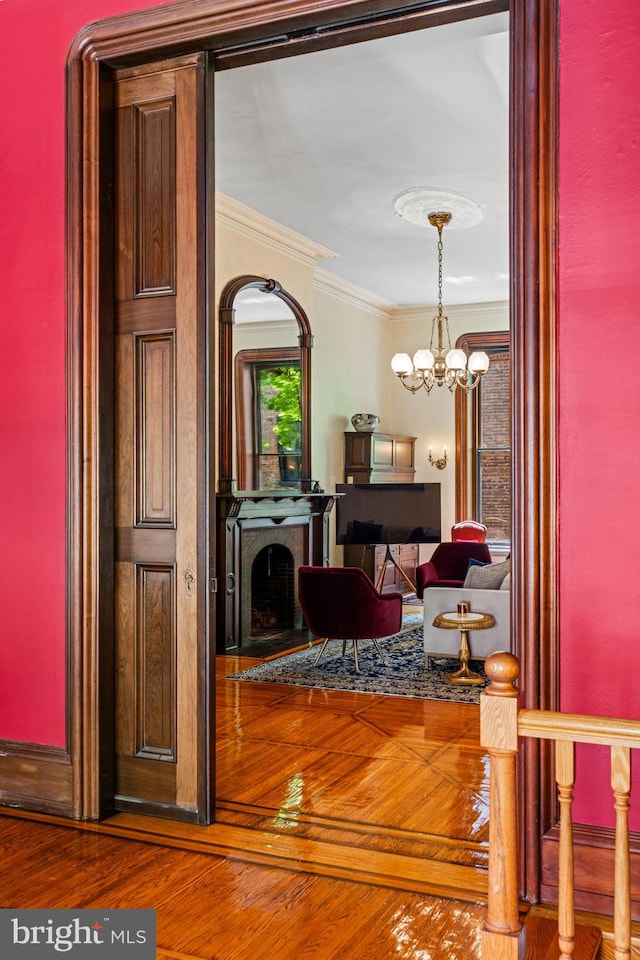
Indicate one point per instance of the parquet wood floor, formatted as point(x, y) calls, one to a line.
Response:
point(390, 790)
point(380, 763)
point(210, 907)
point(346, 825)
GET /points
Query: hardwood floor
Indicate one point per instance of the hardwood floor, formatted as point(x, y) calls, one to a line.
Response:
point(218, 908)
point(390, 790)
point(382, 765)
point(346, 825)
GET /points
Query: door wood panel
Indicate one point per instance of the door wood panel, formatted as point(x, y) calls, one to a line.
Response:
point(156, 439)
point(156, 448)
point(155, 655)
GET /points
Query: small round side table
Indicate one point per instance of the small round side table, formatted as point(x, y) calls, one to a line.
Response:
point(464, 622)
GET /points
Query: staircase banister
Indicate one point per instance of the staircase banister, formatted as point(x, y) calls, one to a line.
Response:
point(502, 724)
point(503, 936)
point(579, 728)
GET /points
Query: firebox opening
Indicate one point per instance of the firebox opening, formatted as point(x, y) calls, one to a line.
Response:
point(272, 590)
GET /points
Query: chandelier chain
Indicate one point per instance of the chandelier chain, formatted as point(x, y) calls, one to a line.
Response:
point(440, 270)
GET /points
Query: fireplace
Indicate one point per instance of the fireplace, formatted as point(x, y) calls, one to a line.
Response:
point(270, 558)
point(263, 539)
point(273, 595)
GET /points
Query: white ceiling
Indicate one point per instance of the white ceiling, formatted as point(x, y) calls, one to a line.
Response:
point(322, 143)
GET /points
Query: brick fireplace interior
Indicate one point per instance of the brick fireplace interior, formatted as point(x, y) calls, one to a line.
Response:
point(270, 561)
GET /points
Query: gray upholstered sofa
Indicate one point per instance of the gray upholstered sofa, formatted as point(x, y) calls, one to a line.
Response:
point(446, 643)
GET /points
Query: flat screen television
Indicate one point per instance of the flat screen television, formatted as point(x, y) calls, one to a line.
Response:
point(388, 513)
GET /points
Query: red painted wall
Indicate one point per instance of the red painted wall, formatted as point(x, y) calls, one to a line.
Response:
point(599, 417)
point(599, 372)
point(35, 36)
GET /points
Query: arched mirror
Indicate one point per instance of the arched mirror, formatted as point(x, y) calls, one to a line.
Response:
point(265, 388)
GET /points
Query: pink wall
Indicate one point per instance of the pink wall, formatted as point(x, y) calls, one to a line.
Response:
point(599, 422)
point(599, 459)
point(35, 36)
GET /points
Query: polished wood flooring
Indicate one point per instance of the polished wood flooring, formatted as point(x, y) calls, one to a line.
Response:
point(391, 769)
point(347, 825)
point(210, 907)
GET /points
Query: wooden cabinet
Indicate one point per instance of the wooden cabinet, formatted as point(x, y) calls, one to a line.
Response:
point(378, 458)
point(371, 559)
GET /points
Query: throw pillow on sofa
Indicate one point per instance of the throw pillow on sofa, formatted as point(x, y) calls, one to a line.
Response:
point(489, 577)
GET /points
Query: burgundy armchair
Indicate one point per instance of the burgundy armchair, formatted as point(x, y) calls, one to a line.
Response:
point(341, 603)
point(449, 564)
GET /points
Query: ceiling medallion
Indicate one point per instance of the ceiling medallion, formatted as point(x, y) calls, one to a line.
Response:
point(416, 204)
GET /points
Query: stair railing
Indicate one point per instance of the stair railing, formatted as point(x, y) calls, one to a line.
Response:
point(501, 723)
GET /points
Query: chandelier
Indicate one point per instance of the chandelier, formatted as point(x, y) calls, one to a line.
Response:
point(440, 364)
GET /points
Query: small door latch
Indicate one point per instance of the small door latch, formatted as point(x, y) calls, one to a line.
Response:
point(189, 580)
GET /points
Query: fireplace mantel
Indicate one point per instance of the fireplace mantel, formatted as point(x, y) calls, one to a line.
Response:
point(274, 503)
point(251, 519)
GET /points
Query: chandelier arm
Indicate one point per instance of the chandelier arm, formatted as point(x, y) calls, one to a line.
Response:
point(413, 381)
point(468, 381)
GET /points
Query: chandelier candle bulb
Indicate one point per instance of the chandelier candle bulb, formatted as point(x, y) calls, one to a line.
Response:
point(478, 362)
point(423, 360)
point(456, 360)
point(401, 364)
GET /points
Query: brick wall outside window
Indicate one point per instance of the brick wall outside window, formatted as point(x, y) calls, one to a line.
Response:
point(493, 448)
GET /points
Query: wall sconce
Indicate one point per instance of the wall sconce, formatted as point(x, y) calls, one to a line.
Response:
point(438, 464)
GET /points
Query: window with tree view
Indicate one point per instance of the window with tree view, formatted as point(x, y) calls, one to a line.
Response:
point(278, 422)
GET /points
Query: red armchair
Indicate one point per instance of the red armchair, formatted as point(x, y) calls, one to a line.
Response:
point(469, 530)
point(449, 564)
point(341, 603)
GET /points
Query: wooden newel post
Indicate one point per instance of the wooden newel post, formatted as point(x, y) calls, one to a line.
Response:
point(503, 937)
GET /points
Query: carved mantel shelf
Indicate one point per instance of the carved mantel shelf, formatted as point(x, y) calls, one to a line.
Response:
point(275, 503)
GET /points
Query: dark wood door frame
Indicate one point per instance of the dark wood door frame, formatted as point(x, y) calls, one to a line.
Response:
point(225, 27)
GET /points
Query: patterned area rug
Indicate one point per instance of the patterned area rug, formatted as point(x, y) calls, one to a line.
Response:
point(403, 675)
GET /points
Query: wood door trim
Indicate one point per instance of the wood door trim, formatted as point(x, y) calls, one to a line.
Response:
point(221, 25)
point(177, 28)
point(534, 197)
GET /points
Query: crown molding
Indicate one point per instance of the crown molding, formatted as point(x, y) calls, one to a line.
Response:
point(248, 222)
point(491, 311)
point(350, 293)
